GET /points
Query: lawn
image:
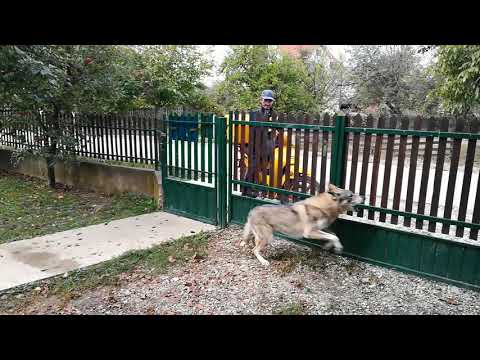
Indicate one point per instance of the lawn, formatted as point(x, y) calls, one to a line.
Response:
point(132, 265)
point(29, 208)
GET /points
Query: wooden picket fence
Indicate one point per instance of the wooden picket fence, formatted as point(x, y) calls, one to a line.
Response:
point(129, 137)
point(420, 176)
point(407, 168)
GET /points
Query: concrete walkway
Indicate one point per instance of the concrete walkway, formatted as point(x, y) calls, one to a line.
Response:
point(38, 258)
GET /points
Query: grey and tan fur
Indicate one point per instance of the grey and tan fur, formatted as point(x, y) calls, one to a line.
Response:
point(307, 218)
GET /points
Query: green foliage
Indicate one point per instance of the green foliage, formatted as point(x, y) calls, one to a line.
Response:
point(242, 69)
point(54, 77)
point(50, 79)
point(250, 69)
point(326, 79)
point(289, 78)
point(173, 74)
point(203, 99)
point(100, 78)
point(389, 76)
point(458, 67)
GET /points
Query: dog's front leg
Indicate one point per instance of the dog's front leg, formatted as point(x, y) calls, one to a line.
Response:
point(303, 219)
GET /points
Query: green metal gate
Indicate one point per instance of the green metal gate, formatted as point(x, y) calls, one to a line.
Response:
point(456, 262)
point(191, 155)
point(201, 180)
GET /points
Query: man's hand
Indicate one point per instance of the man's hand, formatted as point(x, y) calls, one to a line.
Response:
point(274, 133)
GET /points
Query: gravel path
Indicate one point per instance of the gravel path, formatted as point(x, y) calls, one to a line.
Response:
point(231, 281)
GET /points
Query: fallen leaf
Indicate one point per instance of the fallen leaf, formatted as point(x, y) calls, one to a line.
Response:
point(196, 257)
point(150, 310)
point(450, 301)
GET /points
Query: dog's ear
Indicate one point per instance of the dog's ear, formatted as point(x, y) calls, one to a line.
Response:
point(332, 188)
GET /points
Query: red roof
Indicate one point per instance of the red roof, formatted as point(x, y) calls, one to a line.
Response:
point(294, 50)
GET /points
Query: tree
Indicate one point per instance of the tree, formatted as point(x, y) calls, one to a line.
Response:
point(204, 99)
point(458, 69)
point(69, 78)
point(389, 76)
point(50, 79)
point(129, 78)
point(173, 74)
point(242, 69)
point(250, 69)
point(326, 78)
point(289, 79)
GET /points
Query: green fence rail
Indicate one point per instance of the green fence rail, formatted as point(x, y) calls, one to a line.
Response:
point(452, 259)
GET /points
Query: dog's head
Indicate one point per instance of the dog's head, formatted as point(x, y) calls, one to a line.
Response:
point(346, 199)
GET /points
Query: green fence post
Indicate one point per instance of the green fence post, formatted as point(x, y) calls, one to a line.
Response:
point(338, 146)
point(160, 139)
point(221, 169)
point(161, 142)
point(231, 149)
point(158, 124)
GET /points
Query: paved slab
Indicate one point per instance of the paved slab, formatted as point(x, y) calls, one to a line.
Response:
point(38, 258)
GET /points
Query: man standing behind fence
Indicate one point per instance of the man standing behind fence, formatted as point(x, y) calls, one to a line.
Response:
point(264, 113)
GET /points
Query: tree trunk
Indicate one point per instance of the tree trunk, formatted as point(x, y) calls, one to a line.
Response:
point(52, 149)
point(51, 172)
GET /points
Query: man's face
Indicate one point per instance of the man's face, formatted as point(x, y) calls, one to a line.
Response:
point(266, 103)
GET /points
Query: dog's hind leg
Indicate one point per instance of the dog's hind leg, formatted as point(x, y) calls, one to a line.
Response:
point(262, 237)
point(256, 250)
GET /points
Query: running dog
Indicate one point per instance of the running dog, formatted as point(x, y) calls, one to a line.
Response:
point(307, 218)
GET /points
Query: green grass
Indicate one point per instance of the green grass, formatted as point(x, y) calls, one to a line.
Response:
point(148, 262)
point(291, 309)
point(155, 260)
point(29, 208)
point(288, 260)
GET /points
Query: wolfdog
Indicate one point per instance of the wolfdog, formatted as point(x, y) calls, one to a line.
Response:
point(307, 218)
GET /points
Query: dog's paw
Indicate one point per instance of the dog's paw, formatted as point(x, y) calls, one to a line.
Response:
point(338, 249)
point(327, 246)
point(265, 262)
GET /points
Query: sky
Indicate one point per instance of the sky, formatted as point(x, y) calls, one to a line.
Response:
point(220, 51)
